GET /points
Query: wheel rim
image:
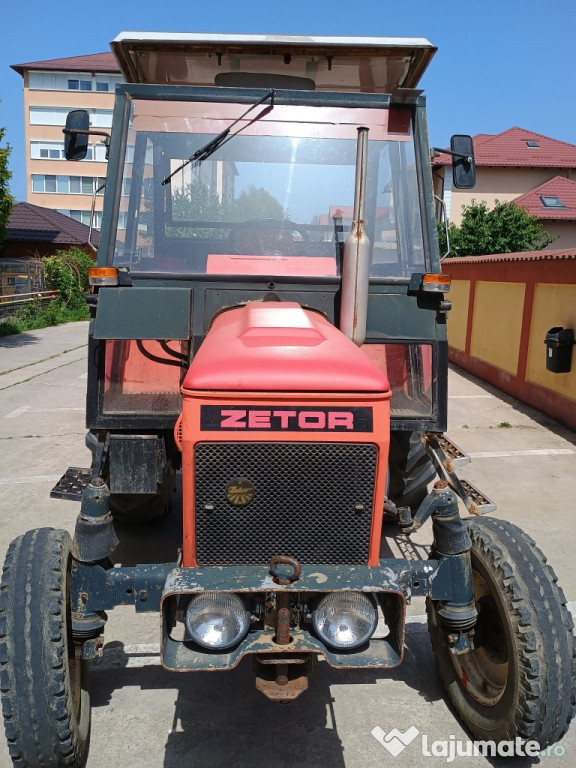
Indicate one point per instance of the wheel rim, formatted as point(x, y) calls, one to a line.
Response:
point(483, 672)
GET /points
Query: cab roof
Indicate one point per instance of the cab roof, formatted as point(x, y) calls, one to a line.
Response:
point(356, 64)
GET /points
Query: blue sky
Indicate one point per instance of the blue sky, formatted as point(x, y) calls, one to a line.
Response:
point(500, 63)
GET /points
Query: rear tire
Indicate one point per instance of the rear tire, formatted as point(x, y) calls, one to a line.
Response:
point(409, 470)
point(45, 698)
point(145, 507)
point(139, 507)
point(519, 679)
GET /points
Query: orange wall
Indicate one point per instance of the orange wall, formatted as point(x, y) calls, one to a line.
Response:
point(502, 307)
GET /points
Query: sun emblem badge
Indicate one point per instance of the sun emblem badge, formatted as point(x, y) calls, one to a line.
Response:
point(239, 492)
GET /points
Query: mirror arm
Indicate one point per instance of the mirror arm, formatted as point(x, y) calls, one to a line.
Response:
point(468, 158)
point(446, 226)
point(92, 211)
point(89, 132)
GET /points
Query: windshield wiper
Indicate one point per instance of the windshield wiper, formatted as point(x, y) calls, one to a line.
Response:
point(208, 149)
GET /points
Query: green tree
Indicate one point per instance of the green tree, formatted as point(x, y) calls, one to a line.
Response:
point(196, 203)
point(254, 203)
point(506, 228)
point(6, 199)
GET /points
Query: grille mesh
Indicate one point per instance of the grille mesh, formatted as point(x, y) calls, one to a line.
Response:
point(305, 504)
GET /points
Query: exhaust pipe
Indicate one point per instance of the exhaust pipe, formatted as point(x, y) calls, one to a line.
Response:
point(356, 261)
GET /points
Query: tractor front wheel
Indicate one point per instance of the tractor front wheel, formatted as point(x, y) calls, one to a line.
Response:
point(45, 699)
point(518, 681)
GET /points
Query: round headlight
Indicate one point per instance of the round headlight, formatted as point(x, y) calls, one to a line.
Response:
point(217, 620)
point(345, 619)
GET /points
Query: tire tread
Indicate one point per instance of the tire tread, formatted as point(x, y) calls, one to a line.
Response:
point(35, 692)
point(543, 636)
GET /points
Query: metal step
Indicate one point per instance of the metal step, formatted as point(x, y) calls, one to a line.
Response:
point(476, 502)
point(446, 457)
point(455, 455)
point(71, 484)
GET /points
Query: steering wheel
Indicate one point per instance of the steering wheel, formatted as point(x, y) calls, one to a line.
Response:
point(272, 237)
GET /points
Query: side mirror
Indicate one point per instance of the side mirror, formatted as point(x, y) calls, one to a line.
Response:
point(463, 165)
point(76, 134)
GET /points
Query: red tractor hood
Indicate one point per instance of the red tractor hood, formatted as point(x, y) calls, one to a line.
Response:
point(280, 347)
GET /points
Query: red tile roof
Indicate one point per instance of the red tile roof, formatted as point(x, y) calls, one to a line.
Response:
point(563, 254)
point(96, 62)
point(34, 224)
point(482, 137)
point(510, 149)
point(564, 189)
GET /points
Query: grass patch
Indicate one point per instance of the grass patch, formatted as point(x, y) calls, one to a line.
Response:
point(66, 273)
point(504, 425)
point(41, 314)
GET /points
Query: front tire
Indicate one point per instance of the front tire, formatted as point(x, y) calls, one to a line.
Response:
point(519, 679)
point(45, 699)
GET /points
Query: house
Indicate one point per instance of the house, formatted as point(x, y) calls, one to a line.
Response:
point(51, 89)
point(33, 233)
point(509, 167)
point(554, 202)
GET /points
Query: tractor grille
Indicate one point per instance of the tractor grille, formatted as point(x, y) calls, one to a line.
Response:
point(311, 501)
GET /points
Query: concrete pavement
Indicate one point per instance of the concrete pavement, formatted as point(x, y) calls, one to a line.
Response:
point(37, 348)
point(145, 717)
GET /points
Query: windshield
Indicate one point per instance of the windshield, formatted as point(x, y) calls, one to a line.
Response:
point(275, 199)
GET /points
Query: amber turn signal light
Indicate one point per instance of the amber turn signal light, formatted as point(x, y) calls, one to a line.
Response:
point(436, 283)
point(103, 275)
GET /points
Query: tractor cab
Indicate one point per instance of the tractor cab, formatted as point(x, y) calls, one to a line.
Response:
point(234, 177)
point(268, 319)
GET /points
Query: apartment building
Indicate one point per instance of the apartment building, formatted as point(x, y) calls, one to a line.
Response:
point(51, 89)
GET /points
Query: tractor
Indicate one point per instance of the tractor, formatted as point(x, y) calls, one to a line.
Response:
point(268, 330)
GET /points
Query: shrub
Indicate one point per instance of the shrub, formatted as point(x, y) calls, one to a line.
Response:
point(505, 228)
point(66, 274)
